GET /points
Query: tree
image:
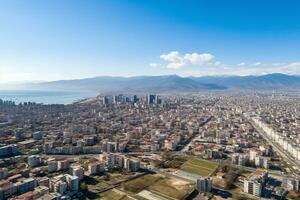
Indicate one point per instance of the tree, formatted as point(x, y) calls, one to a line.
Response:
point(239, 197)
point(84, 187)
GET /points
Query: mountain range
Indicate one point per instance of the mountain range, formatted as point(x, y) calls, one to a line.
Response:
point(170, 83)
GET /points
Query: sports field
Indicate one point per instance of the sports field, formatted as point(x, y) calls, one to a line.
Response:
point(172, 188)
point(199, 167)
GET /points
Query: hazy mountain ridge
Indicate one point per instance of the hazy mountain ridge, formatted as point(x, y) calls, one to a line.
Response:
point(264, 82)
point(171, 83)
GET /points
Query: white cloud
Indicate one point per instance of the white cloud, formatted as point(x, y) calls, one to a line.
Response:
point(196, 58)
point(155, 65)
point(176, 60)
point(278, 64)
point(292, 68)
point(217, 63)
point(256, 64)
point(295, 64)
point(241, 64)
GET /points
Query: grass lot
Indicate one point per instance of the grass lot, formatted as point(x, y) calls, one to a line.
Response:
point(139, 197)
point(85, 161)
point(245, 172)
point(168, 188)
point(293, 195)
point(199, 167)
point(139, 184)
point(171, 188)
point(112, 194)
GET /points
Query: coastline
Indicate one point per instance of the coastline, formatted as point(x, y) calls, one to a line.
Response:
point(45, 97)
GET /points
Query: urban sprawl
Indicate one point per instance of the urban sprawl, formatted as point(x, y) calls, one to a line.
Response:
point(155, 147)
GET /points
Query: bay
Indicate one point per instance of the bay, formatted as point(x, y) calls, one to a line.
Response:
point(45, 97)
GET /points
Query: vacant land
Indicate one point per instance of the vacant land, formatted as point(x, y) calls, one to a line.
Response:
point(168, 188)
point(139, 184)
point(172, 188)
point(170, 160)
point(113, 194)
point(94, 186)
point(199, 167)
point(147, 195)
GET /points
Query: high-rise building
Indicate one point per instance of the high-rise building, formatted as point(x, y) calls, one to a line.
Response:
point(73, 183)
point(291, 183)
point(9, 150)
point(34, 160)
point(134, 165)
point(63, 183)
point(135, 99)
point(77, 170)
point(151, 99)
point(204, 184)
point(52, 165)
point(263, 162)
point(240, 159)
point(117, 99)
point(96, 168)
point(60, 187)
point(253, 186)
point(255, 182)
point(3, 173)
point(105, 100)
point(43, 181)
point(38, 135)
point(253, 153)
point(109, 159)
point(26, 185)
point(63, 164)
point(7, 189)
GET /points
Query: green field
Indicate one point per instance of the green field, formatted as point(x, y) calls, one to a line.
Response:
point(199, 167)
point(172, 188)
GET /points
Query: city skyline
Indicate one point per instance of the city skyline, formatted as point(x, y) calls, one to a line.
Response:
point(53, 40)
point(149, 99)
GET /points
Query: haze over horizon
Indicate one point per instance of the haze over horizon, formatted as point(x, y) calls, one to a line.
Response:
point(149, 99)
point(61, 40)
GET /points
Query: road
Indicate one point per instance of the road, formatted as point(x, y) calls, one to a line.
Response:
point(271, 173)
point(194, 137)
point(96, 155)
point(284, 154)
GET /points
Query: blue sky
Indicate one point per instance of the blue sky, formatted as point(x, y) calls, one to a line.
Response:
point(66, 39)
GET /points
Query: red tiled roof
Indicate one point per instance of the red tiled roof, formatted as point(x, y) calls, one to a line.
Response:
point(14, 177)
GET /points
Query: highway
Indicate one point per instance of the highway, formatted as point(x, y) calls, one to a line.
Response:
point(284, 154)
